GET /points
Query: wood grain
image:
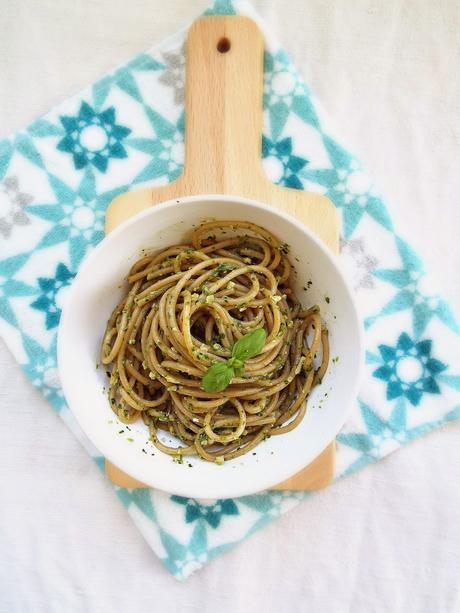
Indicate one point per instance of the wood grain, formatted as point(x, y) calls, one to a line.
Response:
point(223, 135)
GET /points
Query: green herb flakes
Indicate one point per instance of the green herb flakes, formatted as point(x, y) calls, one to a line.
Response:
point(284, 248)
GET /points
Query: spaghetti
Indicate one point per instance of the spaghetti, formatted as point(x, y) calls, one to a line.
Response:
point(186, 308)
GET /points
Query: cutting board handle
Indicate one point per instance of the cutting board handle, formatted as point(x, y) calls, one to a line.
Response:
point(223, 101)
point(223, 130)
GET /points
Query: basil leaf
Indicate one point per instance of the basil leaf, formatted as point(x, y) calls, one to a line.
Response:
point(249, 345)
point(217, 377)
point(220, 374)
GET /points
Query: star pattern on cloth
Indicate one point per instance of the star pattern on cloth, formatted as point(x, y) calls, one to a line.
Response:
point(77, 216)
point(41, 368)
point(282, 82)
point(180, 558)
point(174, 73)
point(284, 92)
point(409, 369)
point(283, 165)
point(50, 299)
point(349, 188)
point(166, 150)
point(11, 288)
point(271, 504)
point(382, 436)
point(345, 182)
point(221, 7)
point(211, 514)
point(12, 204)
point(364, 263)
point(413, 292)
point(22, 145)
point(93, 138)
point(124, 78)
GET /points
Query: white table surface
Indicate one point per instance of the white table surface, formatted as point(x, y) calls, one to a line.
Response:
point(384, 540)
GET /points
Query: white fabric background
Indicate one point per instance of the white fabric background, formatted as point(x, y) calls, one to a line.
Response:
point(386, 539)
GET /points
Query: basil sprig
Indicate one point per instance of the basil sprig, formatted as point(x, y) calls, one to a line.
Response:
point(219, 375)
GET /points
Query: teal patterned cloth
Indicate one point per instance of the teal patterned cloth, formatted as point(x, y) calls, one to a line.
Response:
point(126, 130)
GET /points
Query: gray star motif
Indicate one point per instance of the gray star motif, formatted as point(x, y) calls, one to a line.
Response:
point(174, 75)
point(364, 263)
point(12, 203)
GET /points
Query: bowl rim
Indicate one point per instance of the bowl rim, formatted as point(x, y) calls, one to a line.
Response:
point(214, 489)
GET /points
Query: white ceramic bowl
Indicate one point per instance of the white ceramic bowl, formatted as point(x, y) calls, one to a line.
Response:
point(96, 290)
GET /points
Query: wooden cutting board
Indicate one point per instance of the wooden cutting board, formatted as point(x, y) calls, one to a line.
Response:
point(223, 135)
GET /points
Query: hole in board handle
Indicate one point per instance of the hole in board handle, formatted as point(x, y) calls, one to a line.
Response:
point(223, 45)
